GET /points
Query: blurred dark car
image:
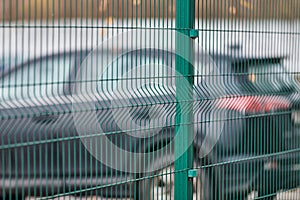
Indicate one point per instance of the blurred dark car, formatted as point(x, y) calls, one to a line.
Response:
point(246, 128)
point(258, 129)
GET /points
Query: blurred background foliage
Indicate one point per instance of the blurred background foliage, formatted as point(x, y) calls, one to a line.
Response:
point(12, 10)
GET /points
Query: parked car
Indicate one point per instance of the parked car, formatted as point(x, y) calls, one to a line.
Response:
point(248, 113)
point(247, 128)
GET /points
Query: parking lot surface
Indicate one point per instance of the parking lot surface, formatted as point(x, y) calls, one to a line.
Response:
point(285, 195)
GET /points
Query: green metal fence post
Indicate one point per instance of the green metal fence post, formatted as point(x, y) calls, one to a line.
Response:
point(185, 20)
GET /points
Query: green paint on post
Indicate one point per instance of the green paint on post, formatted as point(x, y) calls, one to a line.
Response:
point(185, 20)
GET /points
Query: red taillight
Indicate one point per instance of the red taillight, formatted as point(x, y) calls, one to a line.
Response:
point(254, 104)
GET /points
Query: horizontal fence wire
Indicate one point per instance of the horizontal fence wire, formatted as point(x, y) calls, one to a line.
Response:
point(102, 99)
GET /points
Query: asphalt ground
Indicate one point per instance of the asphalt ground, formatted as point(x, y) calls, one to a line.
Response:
point(284, 195)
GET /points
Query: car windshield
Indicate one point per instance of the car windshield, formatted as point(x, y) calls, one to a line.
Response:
point(40, 78)
point(135, 73)
point(267, 78)
point(7, 63)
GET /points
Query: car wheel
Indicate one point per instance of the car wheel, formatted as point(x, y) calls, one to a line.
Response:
point(160, 187)
point(8, 197)
point(267, 187)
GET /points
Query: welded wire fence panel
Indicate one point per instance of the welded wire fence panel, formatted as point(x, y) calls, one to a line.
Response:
point(87, 98)
point(131, 99)
point(248, 124)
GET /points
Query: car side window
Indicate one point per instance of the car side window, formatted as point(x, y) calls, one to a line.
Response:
point(41, 78)
point(142, 73)
point(266, 78)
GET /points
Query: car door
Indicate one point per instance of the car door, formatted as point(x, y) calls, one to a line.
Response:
point(135, 102)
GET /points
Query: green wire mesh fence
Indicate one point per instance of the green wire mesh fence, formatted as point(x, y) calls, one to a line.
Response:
point(149, 99)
